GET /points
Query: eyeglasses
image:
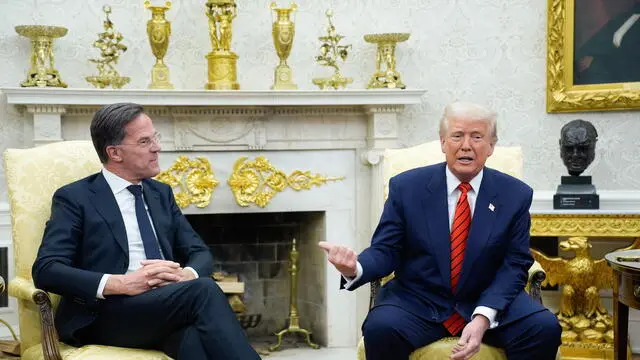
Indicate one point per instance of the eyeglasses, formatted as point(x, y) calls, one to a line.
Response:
point(146, 142)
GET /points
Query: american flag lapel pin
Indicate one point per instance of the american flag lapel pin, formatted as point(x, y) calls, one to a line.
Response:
point(491, 207)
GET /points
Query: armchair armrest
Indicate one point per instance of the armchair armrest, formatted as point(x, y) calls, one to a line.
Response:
point(24, 289)
point(533, 287)
point(534, 283)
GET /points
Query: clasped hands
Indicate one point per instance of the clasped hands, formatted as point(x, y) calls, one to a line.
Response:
point(345, 260)
point(152, 274)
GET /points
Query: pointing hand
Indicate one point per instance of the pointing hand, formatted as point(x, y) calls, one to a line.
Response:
point(343, 258)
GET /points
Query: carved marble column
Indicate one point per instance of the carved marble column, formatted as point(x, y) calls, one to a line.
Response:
point(382, 133)
point(47, 123)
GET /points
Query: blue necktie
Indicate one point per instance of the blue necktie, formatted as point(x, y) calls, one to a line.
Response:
point(151, 248)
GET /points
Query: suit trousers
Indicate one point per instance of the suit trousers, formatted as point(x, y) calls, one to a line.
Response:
point(390, 332)
point(188, 320)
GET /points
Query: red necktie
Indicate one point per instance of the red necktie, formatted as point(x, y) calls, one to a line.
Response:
point(459, 234)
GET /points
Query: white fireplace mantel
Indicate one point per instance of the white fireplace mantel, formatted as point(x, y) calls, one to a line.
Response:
point(48, 105)
point(78, 96)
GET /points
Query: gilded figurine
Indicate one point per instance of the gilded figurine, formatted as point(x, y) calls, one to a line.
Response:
point(110, 45)
point(386, 75)
point(222, 73)
point(330, 53)
point(42, 72)
point(582, 316)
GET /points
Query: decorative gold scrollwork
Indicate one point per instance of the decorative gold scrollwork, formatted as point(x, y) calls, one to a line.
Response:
point(195, 178)
point(604, 225)
point(258, 181)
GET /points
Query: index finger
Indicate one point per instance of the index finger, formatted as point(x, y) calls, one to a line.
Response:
point(326, 246)
point(159, 261)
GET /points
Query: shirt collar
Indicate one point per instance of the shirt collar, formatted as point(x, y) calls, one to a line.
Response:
point(115, 182)
point(453, 182)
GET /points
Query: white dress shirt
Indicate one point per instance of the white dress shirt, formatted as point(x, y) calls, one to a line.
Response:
point(127, 205)
point(453, 193)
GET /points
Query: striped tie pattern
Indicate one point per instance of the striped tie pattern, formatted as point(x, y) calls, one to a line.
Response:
point(459, 235)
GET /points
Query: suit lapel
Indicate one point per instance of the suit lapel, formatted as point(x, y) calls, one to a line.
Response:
point(437, 222)
point(481, 224)
point(152, 199)
point(106, 205)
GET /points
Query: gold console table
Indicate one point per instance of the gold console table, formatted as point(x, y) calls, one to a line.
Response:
point(586, 223)
point(590, 223)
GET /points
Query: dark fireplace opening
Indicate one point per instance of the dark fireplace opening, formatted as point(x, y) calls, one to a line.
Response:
point(257, 248)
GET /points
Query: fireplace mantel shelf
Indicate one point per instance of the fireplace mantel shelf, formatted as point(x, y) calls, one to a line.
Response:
point(193, 110)
point(84, 97)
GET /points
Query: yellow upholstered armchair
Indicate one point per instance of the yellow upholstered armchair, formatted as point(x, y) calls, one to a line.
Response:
point(32, 177)
point(395, 161)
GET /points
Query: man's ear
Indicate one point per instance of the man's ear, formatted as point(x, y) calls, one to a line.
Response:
point(113, 153)
point(442, 140)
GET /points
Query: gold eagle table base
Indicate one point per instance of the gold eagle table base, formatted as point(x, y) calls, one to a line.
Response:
point(573, 273)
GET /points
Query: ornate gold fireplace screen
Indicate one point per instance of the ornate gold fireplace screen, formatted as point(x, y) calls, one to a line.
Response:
point(252, 181)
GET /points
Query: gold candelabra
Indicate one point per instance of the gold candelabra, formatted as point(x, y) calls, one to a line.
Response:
point(42, 72)
point(330, 53)
point(386, 75)
point(110, 45)
point(159, 31)
point(294, 319)
point(222, 71)
point(283, 30)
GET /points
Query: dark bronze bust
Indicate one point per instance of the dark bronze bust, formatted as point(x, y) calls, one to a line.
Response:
point(578, 145)
point(577, 149)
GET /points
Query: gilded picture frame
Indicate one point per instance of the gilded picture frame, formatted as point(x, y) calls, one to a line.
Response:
point(567, 91)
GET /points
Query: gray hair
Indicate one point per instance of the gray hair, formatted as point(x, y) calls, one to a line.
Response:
point(469, 112)
point(107, 126)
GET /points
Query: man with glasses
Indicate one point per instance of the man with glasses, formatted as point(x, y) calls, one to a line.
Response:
point(130, 269)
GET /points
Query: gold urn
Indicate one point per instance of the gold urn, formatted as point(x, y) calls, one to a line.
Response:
point(283, 31)
point(42, 72)
point(222, 71)
point(159, 31)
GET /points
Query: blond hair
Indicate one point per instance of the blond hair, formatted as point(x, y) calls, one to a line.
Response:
point(469, 112)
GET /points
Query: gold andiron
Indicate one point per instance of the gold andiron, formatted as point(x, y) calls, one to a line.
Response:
point(330, 53)
point(159, 30)
point(294, 319)
point(222, 72)
point(283, 30)
point(386, 75)
point(42, 72)
point(110, 46)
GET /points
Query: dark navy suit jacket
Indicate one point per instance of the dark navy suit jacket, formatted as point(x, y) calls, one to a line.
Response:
point(85, 238)
point(412, 239)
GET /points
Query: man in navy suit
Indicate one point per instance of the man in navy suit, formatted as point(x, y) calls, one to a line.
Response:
point(457, 236)
point(130, 269)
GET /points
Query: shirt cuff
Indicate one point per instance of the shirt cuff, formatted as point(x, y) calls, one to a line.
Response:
point(350, 281)
point(487, 312)
point(101, 285)
point(195, 273)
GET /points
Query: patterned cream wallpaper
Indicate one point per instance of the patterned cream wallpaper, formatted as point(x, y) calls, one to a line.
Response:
point(487, 51)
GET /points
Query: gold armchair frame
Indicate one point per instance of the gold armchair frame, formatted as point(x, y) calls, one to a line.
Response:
point(562, 94)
